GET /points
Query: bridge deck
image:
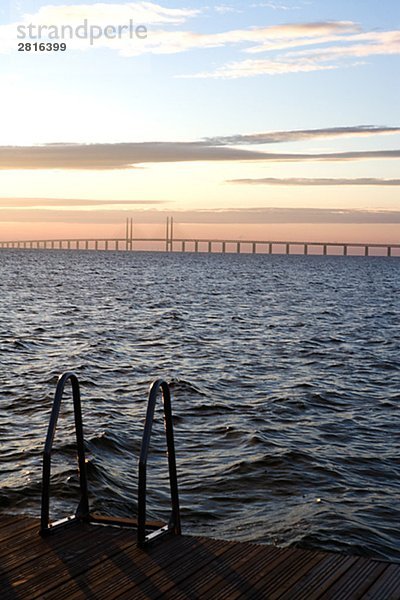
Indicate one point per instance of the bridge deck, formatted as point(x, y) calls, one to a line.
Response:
point(95, 562)
point(209, 245)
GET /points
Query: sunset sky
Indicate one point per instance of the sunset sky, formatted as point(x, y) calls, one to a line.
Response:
point(261, 119)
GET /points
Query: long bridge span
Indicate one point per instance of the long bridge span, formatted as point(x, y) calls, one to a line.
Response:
point(169, 243)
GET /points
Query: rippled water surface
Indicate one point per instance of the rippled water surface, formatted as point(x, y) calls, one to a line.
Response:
point(285, 379)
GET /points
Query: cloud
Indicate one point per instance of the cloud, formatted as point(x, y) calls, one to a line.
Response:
point(347, 32)
point(256, 67)
point(56, 215)
point(278, 5)
point(18, 203)
point(224, 216)
point(349, 49)
point(101, 13)
point(224, 9)
point(367, 44)
point(114, 156)
point(290, 35)
point(127, 155)
point(316, 181)
point(275, 36)
point(286, 215)
point(273, 137)
point(282, 44)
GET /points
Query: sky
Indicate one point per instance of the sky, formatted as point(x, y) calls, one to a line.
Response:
point(249, 120)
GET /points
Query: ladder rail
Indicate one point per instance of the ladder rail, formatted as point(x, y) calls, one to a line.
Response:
point(82, 511)
point(174, 524)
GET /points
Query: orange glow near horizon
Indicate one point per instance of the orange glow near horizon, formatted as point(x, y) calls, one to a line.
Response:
point(362, 233)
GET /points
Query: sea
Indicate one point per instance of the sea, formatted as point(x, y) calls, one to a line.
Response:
point(285, 380)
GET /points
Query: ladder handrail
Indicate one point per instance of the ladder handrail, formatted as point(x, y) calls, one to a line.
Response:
point(82, 511)
point(174, 525)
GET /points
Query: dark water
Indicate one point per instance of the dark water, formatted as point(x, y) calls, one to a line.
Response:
point(285, 378)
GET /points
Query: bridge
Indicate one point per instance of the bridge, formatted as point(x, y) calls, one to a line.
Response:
point(169, 243)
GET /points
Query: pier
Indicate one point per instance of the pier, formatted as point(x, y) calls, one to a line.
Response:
point(169, 243)
point(104, 562)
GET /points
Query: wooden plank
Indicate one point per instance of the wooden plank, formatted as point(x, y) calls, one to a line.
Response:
point(273, 579)
point(58, 557)
point(387, 586)
point(232, 577)
point(122, 521)
point(128, 569)
point(17, 536)
point(296, 566)
point(226, 573)
point(12, 527)
point(102, 562)
point(372, 574)
point(6, 520)
point(206, 572)
point(166, 566)
point(164, 575)
point(29, 548)
point(100, 545)
point(25, 540)
point(314, 583)
point(355, 582)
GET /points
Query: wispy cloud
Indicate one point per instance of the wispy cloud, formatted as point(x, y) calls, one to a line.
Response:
point(279, 5)
point(274, 37)
point(316, 181)
point(224, 9)
point(109, 13)
point(256, 67)
point(278, 37)
point(299, 135)
point(226, 216)
point(350, 48)
point(115, 156)
point(288, 215)
point(17, 203)
point(127, 155)
point(357, 46)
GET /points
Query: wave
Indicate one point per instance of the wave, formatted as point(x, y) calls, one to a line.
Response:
point(284, 379)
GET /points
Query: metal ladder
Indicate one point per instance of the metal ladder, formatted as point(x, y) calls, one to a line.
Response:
point(146, 532)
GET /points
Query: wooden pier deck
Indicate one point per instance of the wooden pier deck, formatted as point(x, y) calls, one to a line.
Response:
point(94, 562)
